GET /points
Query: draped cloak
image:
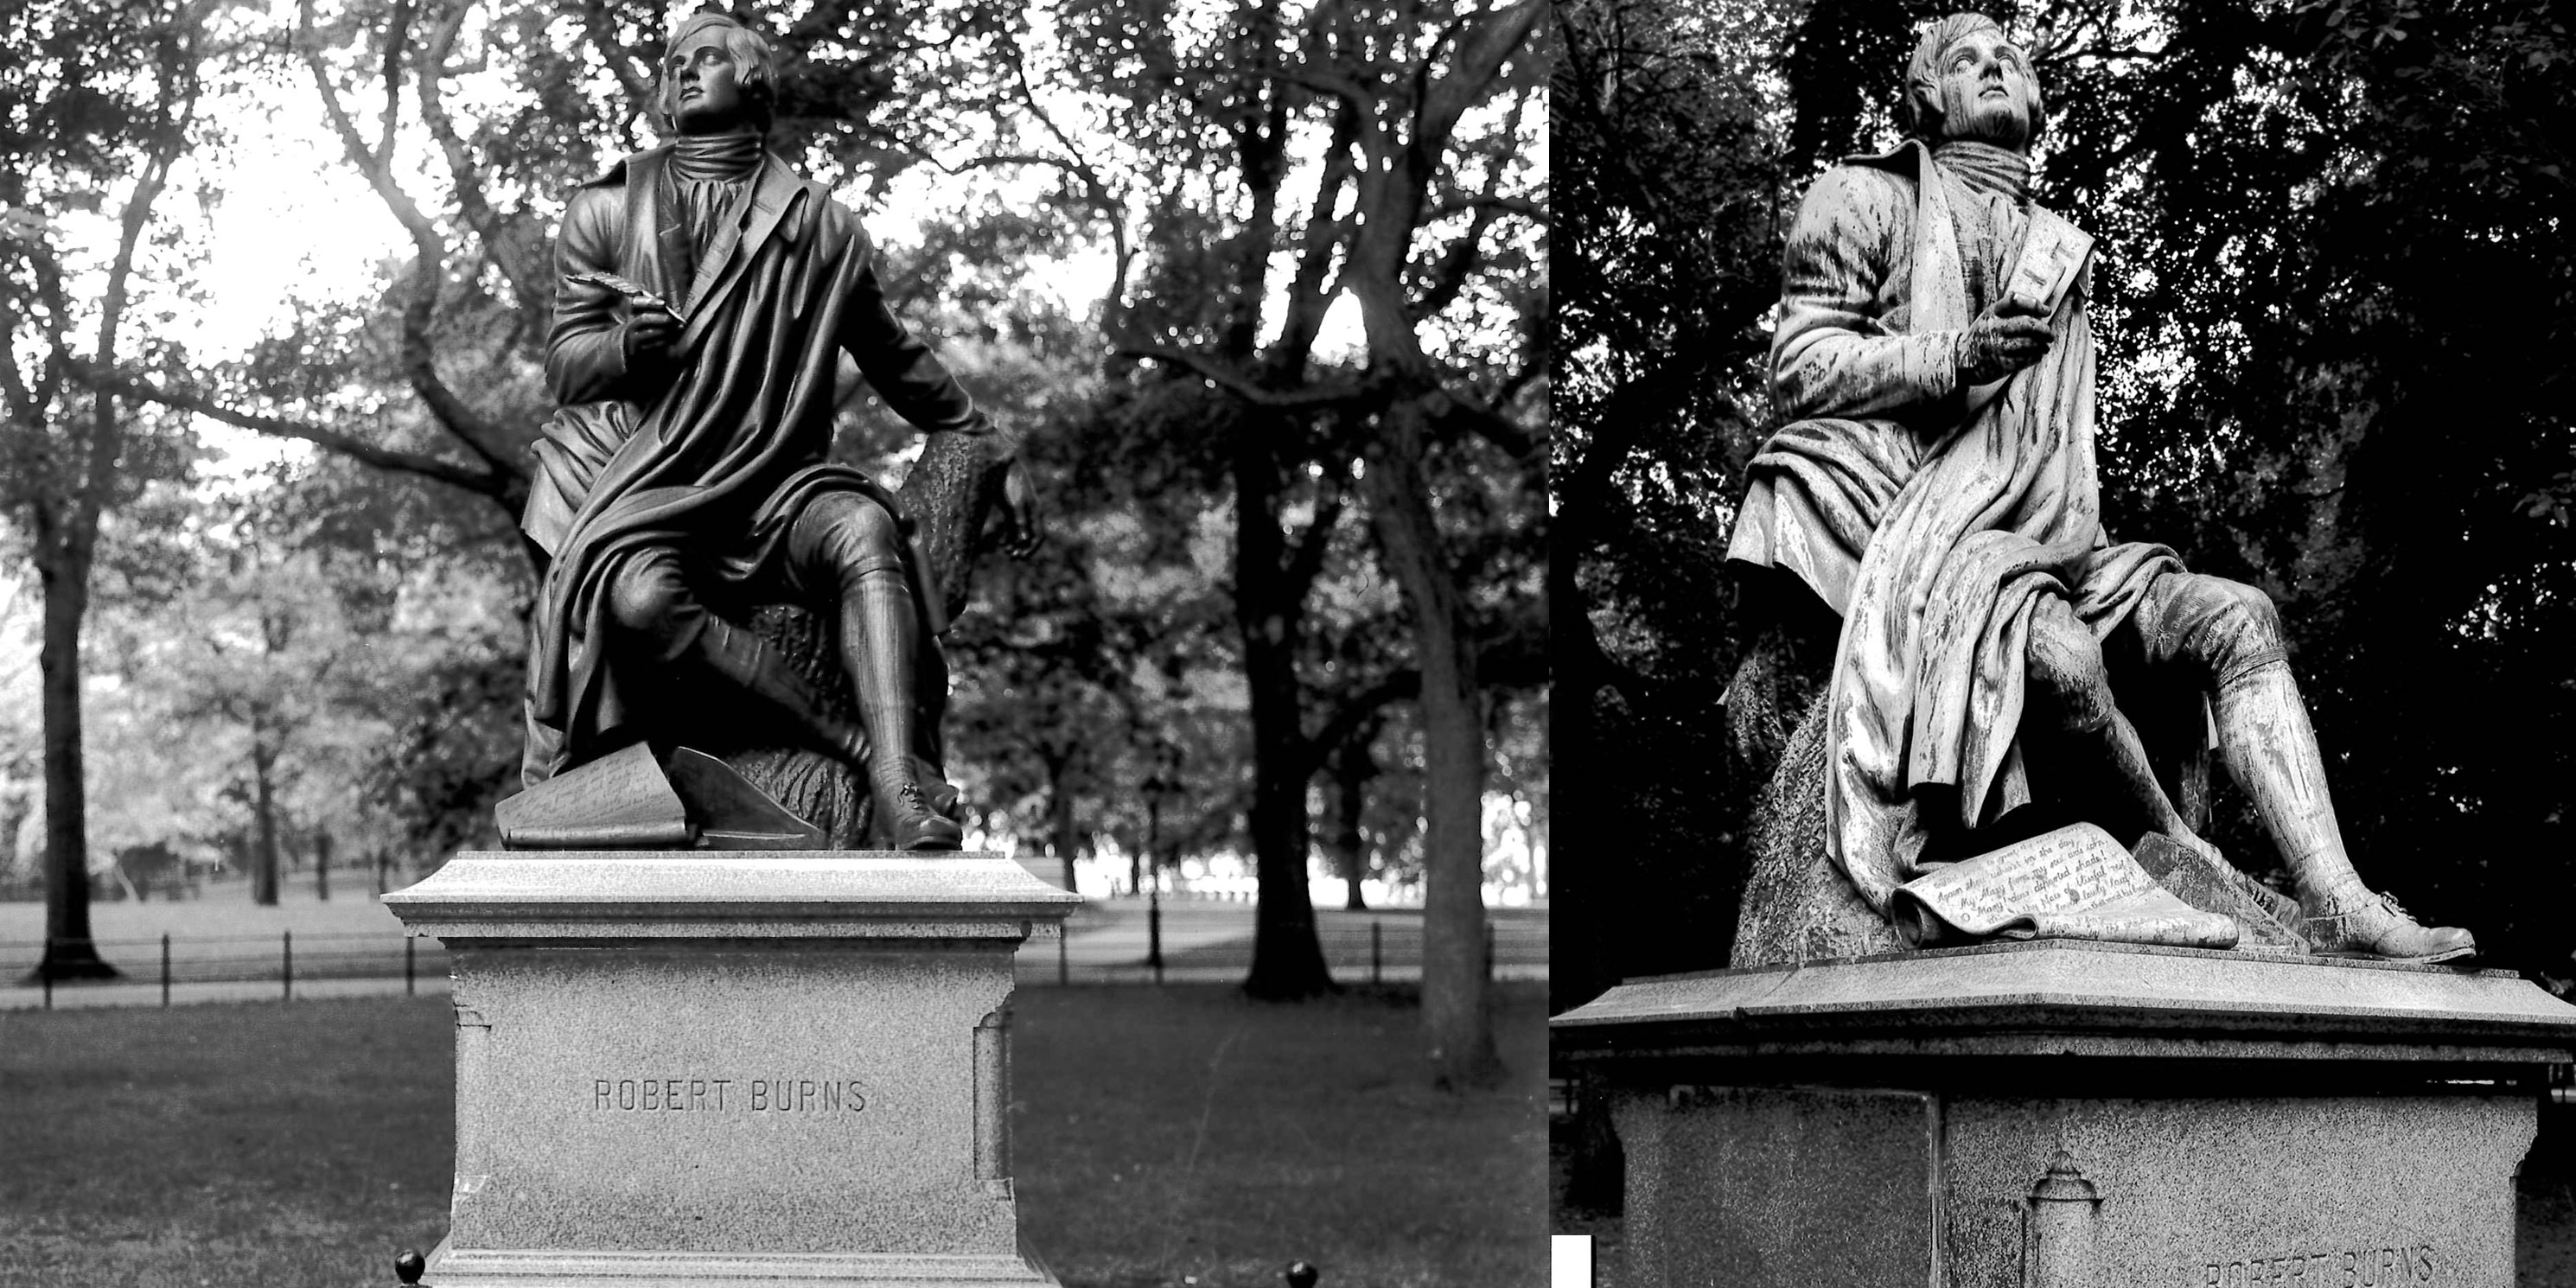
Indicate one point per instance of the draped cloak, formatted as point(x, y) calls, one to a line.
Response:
point(715, 452)
point(1931, 518)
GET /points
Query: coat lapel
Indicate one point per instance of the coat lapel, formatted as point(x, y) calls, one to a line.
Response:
point(645, 256)
point(736, 244)
point(1940, 284)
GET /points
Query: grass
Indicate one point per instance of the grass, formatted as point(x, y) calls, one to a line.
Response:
point(1163, 1135)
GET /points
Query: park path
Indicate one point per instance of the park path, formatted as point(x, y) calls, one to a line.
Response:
point(225, 948)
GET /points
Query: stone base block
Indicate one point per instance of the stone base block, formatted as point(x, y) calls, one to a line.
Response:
point(1821, 1185)
point(520, 1269)
point(746, 1068)
point(2053, 1115)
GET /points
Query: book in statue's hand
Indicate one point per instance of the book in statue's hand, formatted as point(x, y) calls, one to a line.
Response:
point(2053, 253)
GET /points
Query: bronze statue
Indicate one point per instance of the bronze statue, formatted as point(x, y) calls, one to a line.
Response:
point(706, 295)
point(1933, 491)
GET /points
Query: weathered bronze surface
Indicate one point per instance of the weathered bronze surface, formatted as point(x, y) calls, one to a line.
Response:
point(1933, 485)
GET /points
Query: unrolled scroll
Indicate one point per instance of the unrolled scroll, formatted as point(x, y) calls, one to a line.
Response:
point(2073, 883)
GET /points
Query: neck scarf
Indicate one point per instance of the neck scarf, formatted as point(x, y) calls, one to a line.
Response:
point(720, 158)
point(1988, 189)
point(700, 191)
point(1987, 170)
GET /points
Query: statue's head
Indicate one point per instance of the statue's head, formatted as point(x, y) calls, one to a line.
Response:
point(718, 76)
point(1968, 80)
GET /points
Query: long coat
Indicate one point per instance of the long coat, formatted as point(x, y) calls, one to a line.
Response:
point(715, 452)
point(1931, 517)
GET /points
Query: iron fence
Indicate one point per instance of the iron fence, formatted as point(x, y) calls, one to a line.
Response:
point(1357, 949)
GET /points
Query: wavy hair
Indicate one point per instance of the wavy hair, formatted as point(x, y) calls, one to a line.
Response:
point(755, 63)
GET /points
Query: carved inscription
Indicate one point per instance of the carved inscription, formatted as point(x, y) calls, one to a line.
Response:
point(808, 1096)
point(2381, 1267)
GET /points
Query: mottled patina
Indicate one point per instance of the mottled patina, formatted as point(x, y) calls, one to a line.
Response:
point(1933, 485)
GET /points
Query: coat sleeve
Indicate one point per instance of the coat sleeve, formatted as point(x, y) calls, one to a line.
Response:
point(1833, 355)
point(899, 367)
point(585, 350)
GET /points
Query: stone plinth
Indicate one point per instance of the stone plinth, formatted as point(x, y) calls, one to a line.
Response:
point(2053, 1114)
point(741, 1068)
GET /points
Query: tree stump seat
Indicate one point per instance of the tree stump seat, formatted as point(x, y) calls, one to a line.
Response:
point(1798, 905)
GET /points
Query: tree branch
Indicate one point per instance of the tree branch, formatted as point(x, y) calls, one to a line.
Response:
point(1307, 298)
point(1347, 394)
point(1307, 560)
point(1356, 710)
point(1081, 168)
point(1456, 411)
point(429, 266)
point(1449, 276)
point(1482, 49)
point(531, 293)
point(498, 484)
point(1521, 206)
point(595, 24)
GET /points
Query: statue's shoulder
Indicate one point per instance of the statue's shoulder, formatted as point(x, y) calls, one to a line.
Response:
point(827, 217)
point(1861, 192)
point(1877, 177)
point(614, 177)
point(597, 208)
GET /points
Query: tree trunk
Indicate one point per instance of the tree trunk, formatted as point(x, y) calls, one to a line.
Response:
point(263, 859)
point(1060, 815)
point(946, 497)
point(1351, 768)
point(1287, 959)
point(322, 866)
point(1454, 1013)
point(1579, 968)
point(70, 952)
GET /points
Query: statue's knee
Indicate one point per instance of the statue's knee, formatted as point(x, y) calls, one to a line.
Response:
point(854, 536)
point(2067, 678)
point(2240, 629)
point(650, 598)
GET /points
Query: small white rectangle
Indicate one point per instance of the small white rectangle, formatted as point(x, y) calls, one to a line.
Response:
point(1570, 1261)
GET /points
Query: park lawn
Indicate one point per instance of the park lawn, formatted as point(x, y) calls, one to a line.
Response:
point(222, 923)
point(1162, 1135)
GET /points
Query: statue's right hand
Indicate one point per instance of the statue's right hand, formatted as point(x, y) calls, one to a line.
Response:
point(649, 333)
point(1997, 345)
point(1023, 523)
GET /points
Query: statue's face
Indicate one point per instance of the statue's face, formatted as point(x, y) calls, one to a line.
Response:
point(705, 84)
point(1988, 93)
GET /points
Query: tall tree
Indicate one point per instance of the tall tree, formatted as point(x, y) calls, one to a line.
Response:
point(102, 100)
point(1670, 176)
point(1374, 96)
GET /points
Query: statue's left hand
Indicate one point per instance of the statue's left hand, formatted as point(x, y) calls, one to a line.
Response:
point(1023, 526)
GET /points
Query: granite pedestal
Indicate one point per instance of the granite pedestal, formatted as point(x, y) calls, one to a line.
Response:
point(2055, 1114)
point(742, 1068)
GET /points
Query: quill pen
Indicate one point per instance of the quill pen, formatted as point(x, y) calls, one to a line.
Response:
point(635, 292)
